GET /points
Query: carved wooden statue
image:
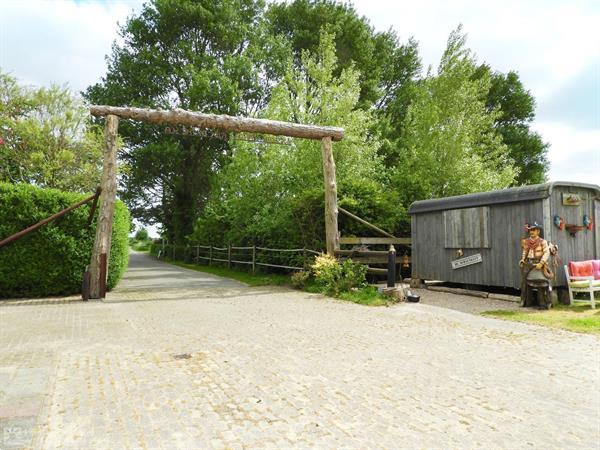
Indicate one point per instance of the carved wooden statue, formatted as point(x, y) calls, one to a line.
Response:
point(535, 270)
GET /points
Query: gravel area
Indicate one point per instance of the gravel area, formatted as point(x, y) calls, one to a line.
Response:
point(177, 359)
point(464, 303)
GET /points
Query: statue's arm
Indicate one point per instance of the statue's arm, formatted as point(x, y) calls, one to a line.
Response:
point(546, 250)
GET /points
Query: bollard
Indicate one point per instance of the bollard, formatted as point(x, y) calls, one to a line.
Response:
point(391, 269)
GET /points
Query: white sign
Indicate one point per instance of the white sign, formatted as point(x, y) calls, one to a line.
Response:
point(467, 261)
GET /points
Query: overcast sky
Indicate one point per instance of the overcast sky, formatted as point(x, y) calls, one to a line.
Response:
point(553, 45)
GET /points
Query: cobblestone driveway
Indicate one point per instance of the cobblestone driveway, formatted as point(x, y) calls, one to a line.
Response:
point(178, 359)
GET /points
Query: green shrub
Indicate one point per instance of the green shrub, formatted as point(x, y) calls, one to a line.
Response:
point(299, 279)
point(336, 277)
point(119, 247)
point(142, 235)
point(52, 260)
point(141, 246)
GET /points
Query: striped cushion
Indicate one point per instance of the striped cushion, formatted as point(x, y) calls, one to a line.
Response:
point(583, 284)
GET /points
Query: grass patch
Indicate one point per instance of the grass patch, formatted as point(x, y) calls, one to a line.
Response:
point(141, 246)
point(365, 296)
point(580, 318)
point(258, 279)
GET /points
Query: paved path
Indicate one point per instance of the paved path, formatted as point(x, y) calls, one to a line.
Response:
point(178, 359)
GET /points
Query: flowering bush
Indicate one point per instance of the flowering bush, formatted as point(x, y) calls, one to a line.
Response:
point(336, 277)
point(299, 279)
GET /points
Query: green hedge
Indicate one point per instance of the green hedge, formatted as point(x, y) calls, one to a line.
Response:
point(52, 260)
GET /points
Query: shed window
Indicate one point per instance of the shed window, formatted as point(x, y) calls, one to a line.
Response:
point(467, 228)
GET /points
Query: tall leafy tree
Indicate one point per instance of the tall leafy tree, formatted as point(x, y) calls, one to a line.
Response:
point(45, 138)
point(266, 191)
point(388, 69)
point(517, 111)
point(200, 55)
point(450, 144)
point(382, 62)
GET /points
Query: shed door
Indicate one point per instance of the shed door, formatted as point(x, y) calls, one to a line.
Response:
point(467, 228)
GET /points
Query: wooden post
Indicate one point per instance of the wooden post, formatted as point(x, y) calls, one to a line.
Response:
point(391, 268)
point(85, 287)
point(210, 255)
point(197, 254)
point(253, 258)
point(229, 256)
point(103, 274)
point(107, 209)
point(331, 210)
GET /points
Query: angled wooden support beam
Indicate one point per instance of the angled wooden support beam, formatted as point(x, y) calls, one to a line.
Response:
point(220, 122)
point(101, 250)
point(364, 222)
point(40, 224)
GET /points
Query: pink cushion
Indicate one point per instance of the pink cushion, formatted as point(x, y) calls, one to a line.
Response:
point(596, 268)
point(581, 268)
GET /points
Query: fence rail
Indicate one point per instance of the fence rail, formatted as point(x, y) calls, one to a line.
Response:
point(278, 258)
point(245, 255)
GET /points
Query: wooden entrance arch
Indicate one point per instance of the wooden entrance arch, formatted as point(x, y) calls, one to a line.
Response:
point(101, 250)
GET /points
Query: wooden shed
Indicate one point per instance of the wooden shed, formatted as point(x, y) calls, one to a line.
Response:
point(475, 239)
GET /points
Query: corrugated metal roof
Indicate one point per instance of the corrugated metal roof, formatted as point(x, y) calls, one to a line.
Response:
point(511, 195)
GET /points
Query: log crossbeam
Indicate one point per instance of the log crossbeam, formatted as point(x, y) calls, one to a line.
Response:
point(220, 122)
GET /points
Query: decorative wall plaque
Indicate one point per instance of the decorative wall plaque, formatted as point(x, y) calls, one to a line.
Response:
point(467, 261)
point(571, 199)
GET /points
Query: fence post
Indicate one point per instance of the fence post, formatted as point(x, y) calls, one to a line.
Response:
point(391, 268)
point(229, 256)
point(304, 258)
point(197, 254)
point(210, 255)
point(253, 258)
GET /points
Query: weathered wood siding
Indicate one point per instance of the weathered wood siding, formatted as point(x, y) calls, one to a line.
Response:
point(431, 259)
point(467, 228)
point(582, 246)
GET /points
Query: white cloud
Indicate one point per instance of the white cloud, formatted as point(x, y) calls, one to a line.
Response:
point(547, 42)
point(44, 42)
point(575, 154)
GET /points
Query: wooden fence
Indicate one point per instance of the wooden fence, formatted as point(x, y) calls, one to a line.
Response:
point(288, 259)
point(253, 256)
